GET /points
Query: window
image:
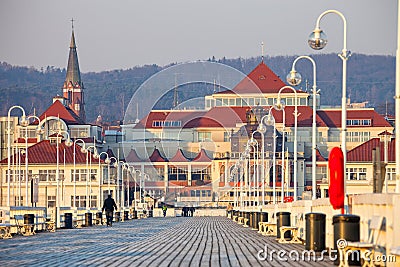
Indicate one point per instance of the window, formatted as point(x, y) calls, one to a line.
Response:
point(303, 101)
point(358, 122)
point(357, 136)
point(167, 123)
point(356, 173)
point(199, 173)
point(80, 175)
point(177, 173)
point(204, 136)
point(79, 132)
point(80, 201)
point(238, 102)
point(391, 174)
point(225, 102)
point(50, 175)
point(227, 136)
point(231, 102)
point(51, 201)
point(271, 101)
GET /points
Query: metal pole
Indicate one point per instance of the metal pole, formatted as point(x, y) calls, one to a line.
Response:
point(397, 99)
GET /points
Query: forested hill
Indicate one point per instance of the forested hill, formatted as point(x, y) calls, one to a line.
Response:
point(370, 78)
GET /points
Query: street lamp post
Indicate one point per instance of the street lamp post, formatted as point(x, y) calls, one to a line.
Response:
point(68, 142)
point(82, 150)
point(271, 121)
point(296, 115)
point(109, 176)
point(140, 175)
point(101, 176)
point(39, 131)
point(89, 177)
point(23, 122)
point(261, 129)
point(280, 106)
point(317, 40)
point(253, 142)
point(294, 78)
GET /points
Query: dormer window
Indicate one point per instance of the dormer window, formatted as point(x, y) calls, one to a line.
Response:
point(261, 77)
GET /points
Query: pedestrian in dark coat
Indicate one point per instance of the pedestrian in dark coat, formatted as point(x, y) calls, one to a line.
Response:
point(108, 206)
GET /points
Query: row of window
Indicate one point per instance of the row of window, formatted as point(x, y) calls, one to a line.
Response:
point(50, 175)
point(167, 123)
point(253, 101)
point(357, 122)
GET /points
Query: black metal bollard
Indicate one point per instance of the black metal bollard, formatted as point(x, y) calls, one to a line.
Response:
point(88, 219)
point(282, 219)
point(99, 218)
point(315, 231)
point(68, 220)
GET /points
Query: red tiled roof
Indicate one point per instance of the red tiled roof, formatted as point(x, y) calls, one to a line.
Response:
point(260, 80)
point(30, 140)
point(363, 152)
point(133, 156)
point(156, 156)
point(202, 157)
point(333, 119)
point(57, 109)
point(179, 157)
point(319, 157)
point(303, 120)
point(46, 153)
point(184, 117)
point(220, 117)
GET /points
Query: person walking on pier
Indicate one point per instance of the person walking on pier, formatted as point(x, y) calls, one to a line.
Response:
point(164, 209)
point(108, 206)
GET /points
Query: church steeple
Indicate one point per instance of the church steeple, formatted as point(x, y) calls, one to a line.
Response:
point(73, 86)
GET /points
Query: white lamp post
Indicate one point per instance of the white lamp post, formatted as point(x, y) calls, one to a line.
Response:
point(68, 142)
point(271, 121)
point(294, 78)
point(23, 122)
point(83, 149)
point(89, 176)
point(39, 131)
point(107, 161)
point(109, 176)
point(140, 176)
point(296, 115)
point(253, 142)
point(261, 129)
point(280, 106)
point(317, 40)
point(397, 102)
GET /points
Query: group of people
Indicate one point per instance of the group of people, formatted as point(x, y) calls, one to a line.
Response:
point(188, 211)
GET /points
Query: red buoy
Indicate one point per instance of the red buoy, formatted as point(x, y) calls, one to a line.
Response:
point(336, 178)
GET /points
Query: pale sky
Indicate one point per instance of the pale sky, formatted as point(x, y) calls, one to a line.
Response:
point(122, 34)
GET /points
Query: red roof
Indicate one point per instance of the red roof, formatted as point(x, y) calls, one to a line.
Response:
point(319, 157)
point(30, 140)
point(363, 152)
point(57, 109)
point(220, 117)
point(156, 156)
point(133, 156)
point(46, 153)
point(303, 120)
point(260, 80)
point(333, 118)
point(179, 157)
point(202, 157)
point(172, 115)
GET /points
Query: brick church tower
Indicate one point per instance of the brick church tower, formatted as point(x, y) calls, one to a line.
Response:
point(73, 87)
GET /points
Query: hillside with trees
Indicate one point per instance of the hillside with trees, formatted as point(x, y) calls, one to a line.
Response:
point(370, 78)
